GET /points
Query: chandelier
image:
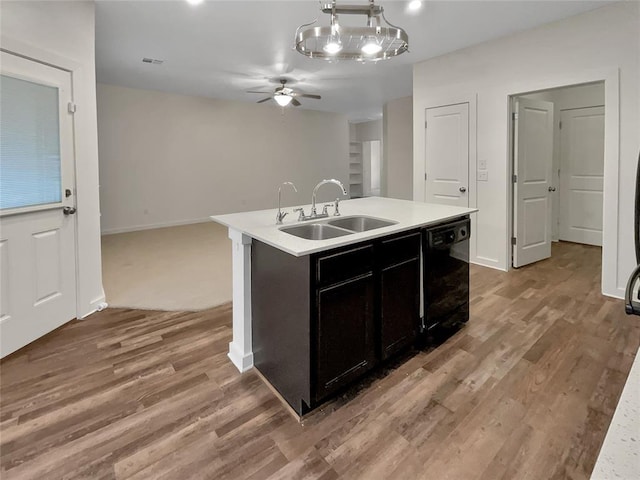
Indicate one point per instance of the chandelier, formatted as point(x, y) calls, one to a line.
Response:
point(372, 42)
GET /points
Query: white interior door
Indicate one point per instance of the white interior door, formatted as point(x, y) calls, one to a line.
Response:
point(581, 175)
point(37, 234)
point(533, 160)
point(447, 155)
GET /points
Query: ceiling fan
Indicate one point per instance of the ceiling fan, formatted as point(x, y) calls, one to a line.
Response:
point(284, 95)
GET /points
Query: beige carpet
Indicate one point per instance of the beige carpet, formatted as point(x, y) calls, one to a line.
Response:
point(175, 268)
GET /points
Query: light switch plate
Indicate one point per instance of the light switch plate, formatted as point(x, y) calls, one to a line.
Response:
point(483, 176)
point(482, 164)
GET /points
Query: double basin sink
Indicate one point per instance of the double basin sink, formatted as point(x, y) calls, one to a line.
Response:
point(336, 227)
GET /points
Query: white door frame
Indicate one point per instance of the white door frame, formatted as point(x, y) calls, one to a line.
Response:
point(611, 79)
point(419, 170)
point(85, 263)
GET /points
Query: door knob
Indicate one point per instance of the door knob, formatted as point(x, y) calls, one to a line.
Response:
point(463, 189)
point(552, 189)
point(69, 210)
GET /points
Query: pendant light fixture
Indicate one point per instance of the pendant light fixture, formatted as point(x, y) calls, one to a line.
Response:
point(372, 42)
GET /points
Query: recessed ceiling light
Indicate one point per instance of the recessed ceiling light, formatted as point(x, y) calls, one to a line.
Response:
point(195, 2)
point(414, 5)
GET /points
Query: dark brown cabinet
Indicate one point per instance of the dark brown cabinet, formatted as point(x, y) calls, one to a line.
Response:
point(321, 321)
point(399, 292)
point(343, 322)
point(345, 347)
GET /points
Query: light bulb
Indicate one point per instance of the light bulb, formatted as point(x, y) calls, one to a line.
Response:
point(282, 99)
point(371, 47)
point(333, 47)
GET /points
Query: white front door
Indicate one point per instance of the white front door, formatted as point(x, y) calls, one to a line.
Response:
point(447, 155)
point(533, 159)
point(37, 238)
point(581, 175)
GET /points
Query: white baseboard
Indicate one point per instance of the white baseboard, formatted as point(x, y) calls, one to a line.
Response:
point(617, 293)
point(487, 262)
point(151, 226)
point(243, 361)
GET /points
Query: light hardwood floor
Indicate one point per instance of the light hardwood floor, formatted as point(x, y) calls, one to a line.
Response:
point(525, 391)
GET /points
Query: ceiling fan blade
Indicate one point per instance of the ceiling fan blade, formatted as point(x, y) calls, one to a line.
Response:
point(309, 95)
point(295, 102)
point(264, 100)
point(257, 91)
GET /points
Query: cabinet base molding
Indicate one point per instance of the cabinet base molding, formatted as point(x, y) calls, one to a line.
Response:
point(288, 407)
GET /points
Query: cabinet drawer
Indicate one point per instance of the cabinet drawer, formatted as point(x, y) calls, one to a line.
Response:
point(399, 249)
point(344, 265)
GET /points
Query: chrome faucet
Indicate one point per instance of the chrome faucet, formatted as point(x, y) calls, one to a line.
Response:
point(280, 215)
point(314, 213)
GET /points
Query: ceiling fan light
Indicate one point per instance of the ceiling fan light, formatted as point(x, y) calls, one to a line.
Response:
point(282, 99)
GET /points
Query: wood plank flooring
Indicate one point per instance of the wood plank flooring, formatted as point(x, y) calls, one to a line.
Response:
point(525, 391)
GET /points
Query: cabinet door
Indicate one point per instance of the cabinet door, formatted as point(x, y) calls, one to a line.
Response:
point(345, 333)
point(399, 305)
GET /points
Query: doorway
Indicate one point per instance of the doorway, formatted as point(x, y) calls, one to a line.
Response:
point(371, 168)
point(557, 146)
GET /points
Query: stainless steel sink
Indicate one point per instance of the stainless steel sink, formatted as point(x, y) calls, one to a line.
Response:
point(360, 223)
point(316, 231)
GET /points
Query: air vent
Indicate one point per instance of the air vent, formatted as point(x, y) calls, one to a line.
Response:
point(153, 61)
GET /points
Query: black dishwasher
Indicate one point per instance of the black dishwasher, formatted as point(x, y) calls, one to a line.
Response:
point(446, 275)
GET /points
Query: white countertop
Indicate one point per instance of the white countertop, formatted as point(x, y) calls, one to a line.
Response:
point(261, 225)
point(619, 455)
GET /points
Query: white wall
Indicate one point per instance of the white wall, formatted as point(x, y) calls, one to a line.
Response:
point(167, 159)
point(598, 45)
point(62, 34)
point(367, 131)
point(397, 129)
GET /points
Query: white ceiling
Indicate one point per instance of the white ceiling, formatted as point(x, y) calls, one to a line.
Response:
point(219, 49)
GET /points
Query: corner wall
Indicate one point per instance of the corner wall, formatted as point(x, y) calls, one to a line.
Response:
point(397, 128)
point(598, 45)
point(63, 34)
point(168, 159)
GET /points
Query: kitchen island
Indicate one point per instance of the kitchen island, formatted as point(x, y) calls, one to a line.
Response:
point(289, 279)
